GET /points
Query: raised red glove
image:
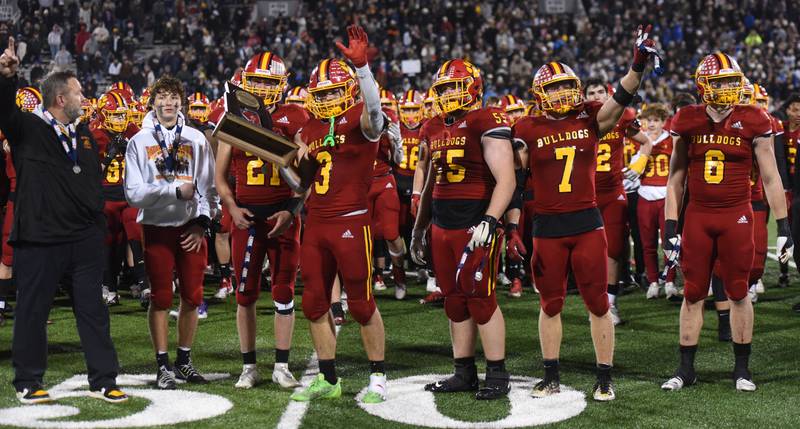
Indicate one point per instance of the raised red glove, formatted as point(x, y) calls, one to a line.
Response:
point(515, 249)
point(643, 49)
point(414, 204)
point(356, 52)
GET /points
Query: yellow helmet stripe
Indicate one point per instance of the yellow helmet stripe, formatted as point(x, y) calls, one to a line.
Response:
point(443, 70)
point(118, 99)
point(323, 70)
point(724, 62)
point(557, 69)
point(266, 57)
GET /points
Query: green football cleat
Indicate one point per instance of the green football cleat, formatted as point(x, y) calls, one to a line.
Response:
point(373, 398)
point(319, 389)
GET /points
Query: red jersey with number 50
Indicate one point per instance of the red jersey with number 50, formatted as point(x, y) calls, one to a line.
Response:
point(457, 154)
point(563, 159)
point(259, 182)
point(344, 171)
point(657, 171)
point(410, 150)
point(610, 154)
point(383, 161)
point(720, 153)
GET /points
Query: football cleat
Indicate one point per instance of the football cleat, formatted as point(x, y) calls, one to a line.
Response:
point(652, 290)
point(105, 292)
point(319, 389)
point(670, 290)
point(495, 386)
point(109, 394)
point(165, 378)
point(753, 294)
point(282, 376)
point(249, 377)
point(379, 284)
point(516, 289)
point(202, 310)
point(136, 290)
point(613, 312)
point(33, 395)
point(603, 391)
point(431, 285)
point(745, 385)
point(796, 308)
point(112, 298)
point(400, 292)
point(188, 373)
point(760, 287)
point(503, 279)
point(677, 383)
point(376, 392)
point(434, 298)
point(225, 289)
point(144, 298)
point(545, 388)
point(454, 383)
point(173, 314)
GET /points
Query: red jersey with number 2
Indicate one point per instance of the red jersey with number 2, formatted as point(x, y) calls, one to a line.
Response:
point(610, 154)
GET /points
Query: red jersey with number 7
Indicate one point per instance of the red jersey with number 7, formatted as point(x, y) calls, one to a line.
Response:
point(562, 159)
point(344, 170)
point(720, 153)
point(456, 151)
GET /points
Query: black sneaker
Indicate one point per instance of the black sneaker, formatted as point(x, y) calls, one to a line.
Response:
point(165, 378)
point(188, 373)
point(109, 394)
point(454, 383)
point(495, 387)
point(546, 387)
point(33, 395)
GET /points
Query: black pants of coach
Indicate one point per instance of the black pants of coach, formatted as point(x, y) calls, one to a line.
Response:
point(38, 270)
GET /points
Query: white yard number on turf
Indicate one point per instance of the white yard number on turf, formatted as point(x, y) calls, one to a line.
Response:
point(166, 407)
point(409, 403)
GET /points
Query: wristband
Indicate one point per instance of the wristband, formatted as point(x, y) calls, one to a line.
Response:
point(294, 205)
point(490, 220)
point(511, 227)
point(783, 227)
point(670, 228)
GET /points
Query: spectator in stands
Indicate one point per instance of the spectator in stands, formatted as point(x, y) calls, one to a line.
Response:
point(63, 59)
point(54, 40)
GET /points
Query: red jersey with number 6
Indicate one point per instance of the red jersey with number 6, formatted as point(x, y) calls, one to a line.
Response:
point(610, 154)
point(457, 154)
point(259, 182)
point(344, 171)
point(410, 150)
point(720, 153)
point(563, 159)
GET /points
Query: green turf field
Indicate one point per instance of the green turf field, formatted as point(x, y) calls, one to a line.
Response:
point(418, 343)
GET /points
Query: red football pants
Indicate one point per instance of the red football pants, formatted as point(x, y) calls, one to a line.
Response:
point(586, 254)
point(478, 301)
point(651, 221)
point(384, 208)
point(343, 245)
point(760, 238)
point(163, 255)
point(8, 223)
point(717, 233)
point(284, 257)
point(614, 209)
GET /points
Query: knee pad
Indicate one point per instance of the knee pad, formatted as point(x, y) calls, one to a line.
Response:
point(481, 309)
point(692, 293)
point(456, 308)
point(361, 309)
point(737, 291)
point(282, 293)
point(596, 303)
point(284, 309)
point(161, 299)
point(314, 311)
point(193, 297)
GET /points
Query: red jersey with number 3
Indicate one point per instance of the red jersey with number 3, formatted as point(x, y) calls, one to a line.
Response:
point(410, 150)
point(562, 159)
point(259, 182)
point(383, 161)
point(720, 153)
point(457, 154)
point(344, 171)
point(610, 159)
point(656, 173)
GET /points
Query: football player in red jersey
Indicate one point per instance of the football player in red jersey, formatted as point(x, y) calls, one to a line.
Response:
point(261, 207)
point(198, 110)
point(384, 203)
point(297, 95)
point(412, 115)
point(469, 187)
point(715, 144)
point(111, 129)
point(562, 145)
point(791, 126)
point(609, 188)
point(339, 147)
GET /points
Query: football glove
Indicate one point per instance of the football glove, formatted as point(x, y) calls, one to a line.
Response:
point(672, 242)
point(393, 131)
point(644, 49)
point(785, 244)
point(482, 233)
point(515, 249)
point(356, 51)
point(418, 246)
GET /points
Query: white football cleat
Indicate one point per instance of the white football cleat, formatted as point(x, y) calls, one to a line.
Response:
point(379, 284)
point(753, 294)
point(675, 383)
point(759, 287)
point(614, 313)
point(652, 291)
point(249, 377)
point(105, 293)
point(503, 279)
point(376, 392)
point(431, 285)
point(670, 290)
point(745, 385)
point(284, 377)
point(400, 292)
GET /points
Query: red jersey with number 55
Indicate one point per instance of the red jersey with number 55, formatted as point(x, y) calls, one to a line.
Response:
point(457, 154)
point(259, 182)
point(410, 150)
point(720, 153)
point(563, 159)
point(610, 154)
point(344, 171)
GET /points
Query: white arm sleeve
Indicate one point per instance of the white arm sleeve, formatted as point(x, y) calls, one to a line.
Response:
point(372, 99)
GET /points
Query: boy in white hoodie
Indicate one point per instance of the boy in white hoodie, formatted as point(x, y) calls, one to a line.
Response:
point(170, 178)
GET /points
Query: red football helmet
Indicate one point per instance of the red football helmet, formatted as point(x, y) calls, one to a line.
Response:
point(563, 99)
point(145, 98)
point(457, 85)
point(28, 98)
point(332, 89)
point(112, 111)
point(761, 96)
point(719, 80)
point(412, 109)
point(265, 76)
point(121, 86)
point(387, 100)
point(297, 95)
point(429, 103)
point(87, 106)
point(136, 112)
point(748, 91)
point(513, 106)
point(199, 107)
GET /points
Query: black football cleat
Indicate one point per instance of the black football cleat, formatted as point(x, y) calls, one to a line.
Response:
point(454, 383)
point(495, 387)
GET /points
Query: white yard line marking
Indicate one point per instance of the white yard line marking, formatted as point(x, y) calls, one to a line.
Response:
point(295, 411)
point(774, 257)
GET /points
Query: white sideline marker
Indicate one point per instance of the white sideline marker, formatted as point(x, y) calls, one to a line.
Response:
point(293, 414)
